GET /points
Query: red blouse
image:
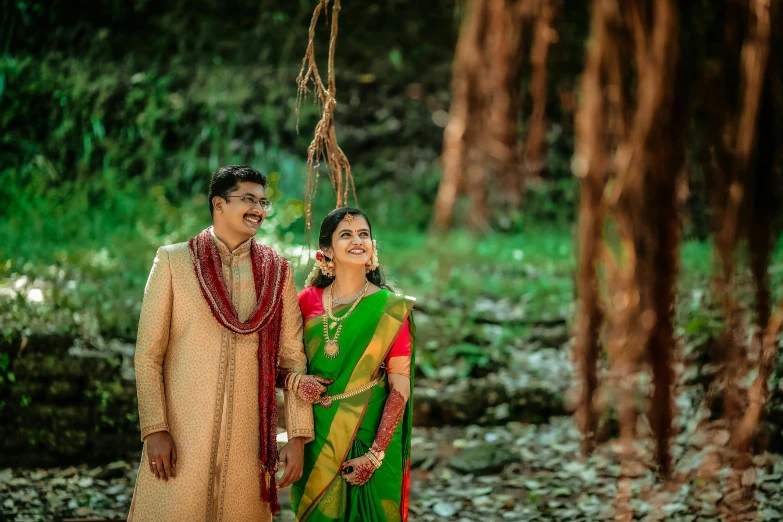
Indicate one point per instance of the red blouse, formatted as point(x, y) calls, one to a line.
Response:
point(311, 303)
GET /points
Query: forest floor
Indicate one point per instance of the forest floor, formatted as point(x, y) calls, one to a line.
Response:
point(514, 472)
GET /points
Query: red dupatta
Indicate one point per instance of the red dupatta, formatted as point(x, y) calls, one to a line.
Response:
point(270, 271)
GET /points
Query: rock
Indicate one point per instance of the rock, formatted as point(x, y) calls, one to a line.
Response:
point(446, 509)
point(116, 489)
point(417, 459)
point(483, 460)
point(429, 463)
point(550, 337)
point(112, 471)
point(491, 400)
point(482, 502)
point(73, 400)
point(38, 475)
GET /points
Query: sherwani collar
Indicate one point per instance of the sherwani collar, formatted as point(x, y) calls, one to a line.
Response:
point(244, 248)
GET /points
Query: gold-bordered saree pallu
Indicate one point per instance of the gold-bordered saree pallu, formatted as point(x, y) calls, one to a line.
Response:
point(347, 428)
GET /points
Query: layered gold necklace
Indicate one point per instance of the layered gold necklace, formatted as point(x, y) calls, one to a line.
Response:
point(330, 321)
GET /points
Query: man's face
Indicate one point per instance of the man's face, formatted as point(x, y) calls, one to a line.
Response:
point(242, 210)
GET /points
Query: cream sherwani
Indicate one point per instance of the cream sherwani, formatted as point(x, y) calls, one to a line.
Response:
point(199, 381)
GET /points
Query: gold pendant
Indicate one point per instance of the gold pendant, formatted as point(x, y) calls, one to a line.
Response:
point(331, 349)
point(332, 325)
point(326, 402)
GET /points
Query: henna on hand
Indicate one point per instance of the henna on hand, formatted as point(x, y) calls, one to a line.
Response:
point(363, 474)
point(393, 412)
point(309, 389)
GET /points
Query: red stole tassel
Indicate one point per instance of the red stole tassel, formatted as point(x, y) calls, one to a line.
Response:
point(274, 503)
point(269, 491)
point(270, 271)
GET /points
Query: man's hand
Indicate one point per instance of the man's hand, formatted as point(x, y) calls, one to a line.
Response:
point(162, 455)
point(292, 459)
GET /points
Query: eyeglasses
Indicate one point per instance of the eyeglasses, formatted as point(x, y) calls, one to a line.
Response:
point(251, 202)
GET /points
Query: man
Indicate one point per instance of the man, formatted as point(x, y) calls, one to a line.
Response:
point(219, 316)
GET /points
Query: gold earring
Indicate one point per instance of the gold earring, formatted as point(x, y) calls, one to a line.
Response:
point(373, 264)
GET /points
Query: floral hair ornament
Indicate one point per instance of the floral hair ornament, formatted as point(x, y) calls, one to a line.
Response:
point(322, 266)
point(348, 218)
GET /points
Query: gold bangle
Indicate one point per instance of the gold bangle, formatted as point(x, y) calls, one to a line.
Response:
point(377, 455)
point(373, 459)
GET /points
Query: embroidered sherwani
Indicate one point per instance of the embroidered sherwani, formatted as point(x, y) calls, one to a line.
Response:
point(199, 381)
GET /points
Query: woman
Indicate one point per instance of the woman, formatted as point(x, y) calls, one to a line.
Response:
point(358, 334)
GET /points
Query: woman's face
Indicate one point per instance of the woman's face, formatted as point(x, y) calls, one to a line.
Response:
point(351, 242)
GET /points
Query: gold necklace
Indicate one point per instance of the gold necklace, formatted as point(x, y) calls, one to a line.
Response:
point(330, 305)
point(331, 348)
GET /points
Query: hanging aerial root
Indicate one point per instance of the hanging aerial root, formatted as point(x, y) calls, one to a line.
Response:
point(591, 165)
point(324, 146)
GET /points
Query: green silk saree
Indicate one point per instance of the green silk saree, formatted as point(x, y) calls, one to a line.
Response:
point(347, 428)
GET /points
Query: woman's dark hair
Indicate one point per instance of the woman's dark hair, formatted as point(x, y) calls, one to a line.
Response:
point(328, 226)
point(226, 179)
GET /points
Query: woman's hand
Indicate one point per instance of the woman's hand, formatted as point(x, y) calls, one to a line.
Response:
point(362, 471)
point(311, 387)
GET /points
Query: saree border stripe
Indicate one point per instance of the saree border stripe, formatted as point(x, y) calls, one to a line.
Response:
point(313, 322)
point(350, 411)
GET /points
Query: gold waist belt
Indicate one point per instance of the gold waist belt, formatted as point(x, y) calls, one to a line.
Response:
point(327, 400)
